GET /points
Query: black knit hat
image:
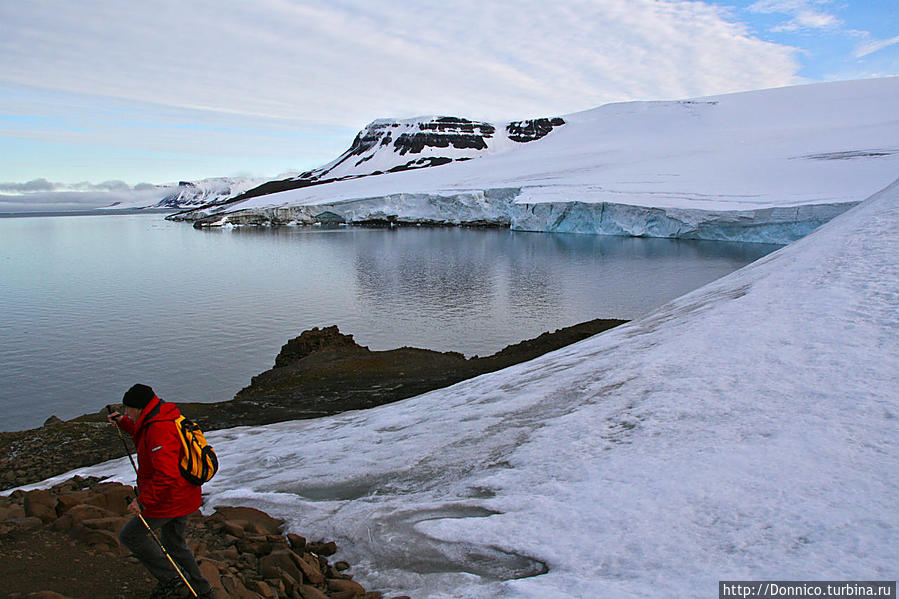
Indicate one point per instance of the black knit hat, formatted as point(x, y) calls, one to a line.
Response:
point(138, 396)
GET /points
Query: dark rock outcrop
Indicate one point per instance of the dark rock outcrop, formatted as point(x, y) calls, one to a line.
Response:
point(525, 131)
point(319, 373)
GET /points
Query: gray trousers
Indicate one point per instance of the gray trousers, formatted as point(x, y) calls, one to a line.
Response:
point(170, 531)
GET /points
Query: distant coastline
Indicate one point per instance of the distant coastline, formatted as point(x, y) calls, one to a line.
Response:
point(88, 212)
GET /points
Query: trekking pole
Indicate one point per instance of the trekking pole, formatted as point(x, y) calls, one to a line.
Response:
point(128, 500)
point(124, 444)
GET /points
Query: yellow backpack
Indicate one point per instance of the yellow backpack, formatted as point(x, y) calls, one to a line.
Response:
point(198, 460)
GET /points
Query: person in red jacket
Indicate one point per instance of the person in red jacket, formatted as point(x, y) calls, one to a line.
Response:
point(164, 497)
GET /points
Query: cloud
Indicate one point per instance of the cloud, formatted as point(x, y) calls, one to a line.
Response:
point(35, 185)
point(351, 61)
point(41, 195)
point(43, 185)
point(874, 46)
point(58, 197)
point(806, 14)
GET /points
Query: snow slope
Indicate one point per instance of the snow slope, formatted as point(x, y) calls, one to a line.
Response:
point(769, 165)
point(747, 430)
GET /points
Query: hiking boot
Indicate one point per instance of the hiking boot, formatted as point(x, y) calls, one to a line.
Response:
point(168, 589)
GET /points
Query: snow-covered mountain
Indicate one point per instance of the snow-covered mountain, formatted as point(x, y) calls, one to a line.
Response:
point(769, 165)
point(389, 146)
point(392, 146)
point(745, 431)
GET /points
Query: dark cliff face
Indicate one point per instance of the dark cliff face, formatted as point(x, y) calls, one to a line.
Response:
point(445, 132)
point(525, 131)
point(412, 138)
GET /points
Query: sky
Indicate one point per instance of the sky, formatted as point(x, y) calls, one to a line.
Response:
point(103, 93)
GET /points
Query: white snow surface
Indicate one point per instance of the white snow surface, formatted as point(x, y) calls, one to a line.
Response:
point(747, 430)
point(821, 145)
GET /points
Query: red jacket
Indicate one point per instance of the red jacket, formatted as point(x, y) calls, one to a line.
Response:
point(163, 492)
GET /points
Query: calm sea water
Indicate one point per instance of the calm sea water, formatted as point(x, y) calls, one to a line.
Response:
point(93, 304)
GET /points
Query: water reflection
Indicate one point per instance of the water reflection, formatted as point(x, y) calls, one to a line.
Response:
point(102, 302)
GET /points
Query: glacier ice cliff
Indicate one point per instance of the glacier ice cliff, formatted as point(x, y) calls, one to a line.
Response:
point(498, 207)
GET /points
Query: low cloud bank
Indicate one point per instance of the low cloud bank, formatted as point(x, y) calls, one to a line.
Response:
point(41, 195)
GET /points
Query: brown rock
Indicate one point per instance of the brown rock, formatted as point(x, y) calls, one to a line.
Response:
point(310, 592)
point(297, 543)
point(111, 496)
point(256, 545)
point(54, 421)
point(40, 503)
point(78, 514)
point(344, 589)
point(341, 566)
point(14, 511)
point(277, 584)
point(227, 554)
point(229, 583)
point(322, 548)
point(210, 572)
point(112, 524)
point(257, 520)
point(264, 590)
point(279, 561)
point(242, 592)
point(96, 537)
point(67, 501)
point(235, 527)
point(309, 566)
point(26, 523)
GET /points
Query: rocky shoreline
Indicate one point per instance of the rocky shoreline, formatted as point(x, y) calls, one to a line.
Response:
point(319, 373)
point(62, 542)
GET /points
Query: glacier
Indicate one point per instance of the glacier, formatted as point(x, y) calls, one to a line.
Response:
point(746, 430)
point(768, 165)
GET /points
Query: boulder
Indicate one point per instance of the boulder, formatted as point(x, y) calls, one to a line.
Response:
point(26, 523)
point(284, 560)
point(309, 566)
point(40, 504)
point(264, 590)
point(256, 545)
point(96, 537)
point(310, 592)
point(54, 421)
point(256, 520)
point(76, 516)
point(344, 589)
point(68, 500)
point(113, 524)
point(297, 543)
point(236, 528)
point(322, 548)
point(14, 511)
point(111, 496)
point(210, 570)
